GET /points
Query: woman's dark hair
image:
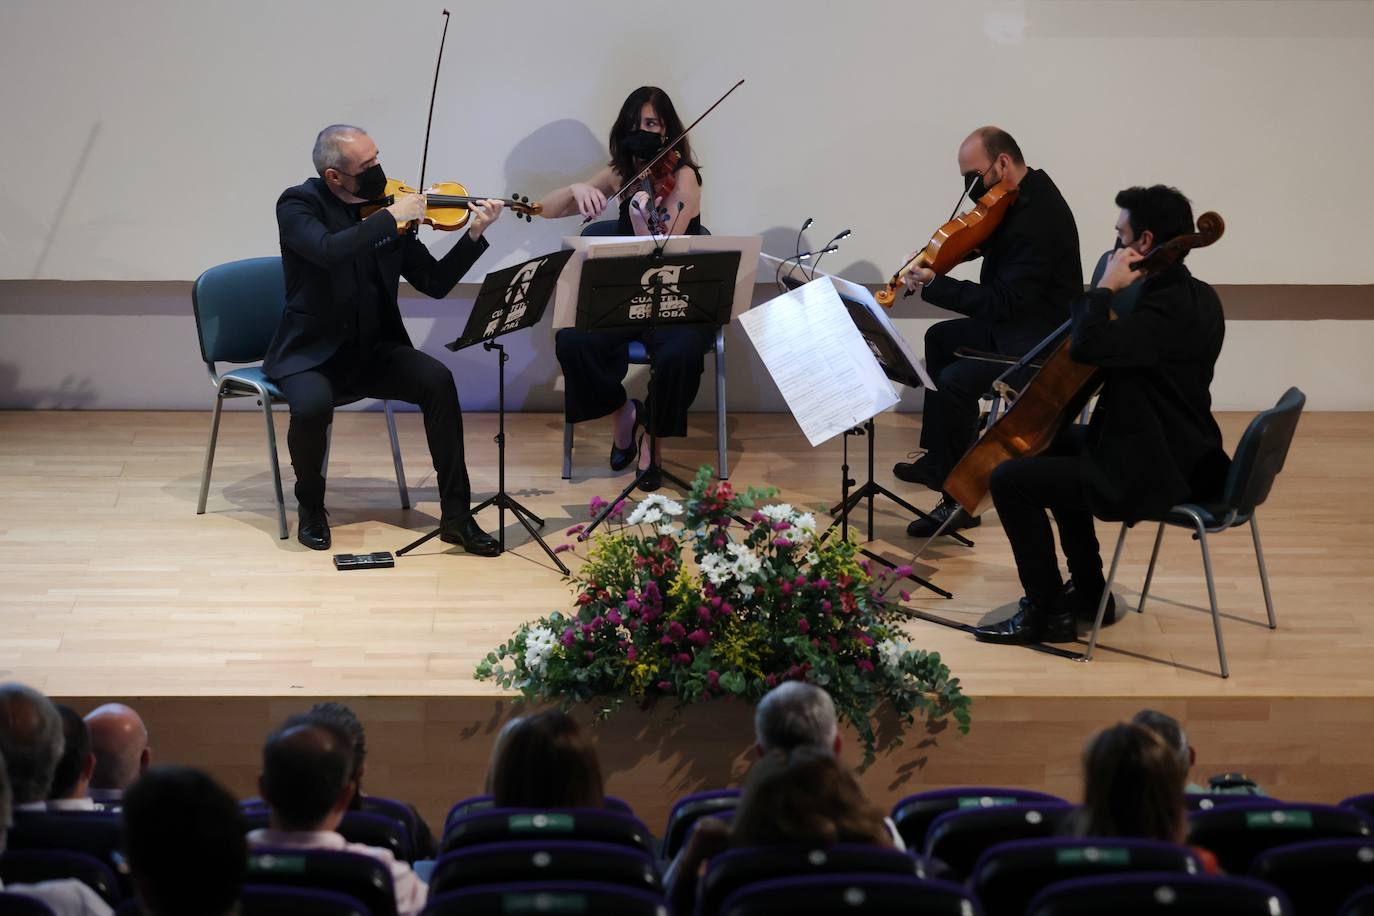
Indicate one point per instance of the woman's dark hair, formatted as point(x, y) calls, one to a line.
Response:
point(546, 762)
point(805, 796)
point(628, 120)
point(1132, 786)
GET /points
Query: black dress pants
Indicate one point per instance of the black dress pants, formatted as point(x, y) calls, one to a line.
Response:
point(1022, 491)
point(595, 362)
point(394, 372)
point(949, 417)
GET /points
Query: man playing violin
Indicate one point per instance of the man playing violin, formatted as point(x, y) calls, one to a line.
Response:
point(341, 336)
point(1031, 271)
point(1152, 442)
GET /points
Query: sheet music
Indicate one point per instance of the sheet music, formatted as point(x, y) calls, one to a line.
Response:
point(818, 360)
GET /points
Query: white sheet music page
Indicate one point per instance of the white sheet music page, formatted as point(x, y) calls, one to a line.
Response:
point(818, 360)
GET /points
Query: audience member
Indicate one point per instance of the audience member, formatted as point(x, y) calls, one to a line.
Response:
point(72, 779)
point(496, 746)
point(66, 896)
point(1133, 787)
point(422, 838)
point(1171, 730)
point(31, 743)
point(183, 836)
point(307, 783)
point(545, 761)
point(119, 740)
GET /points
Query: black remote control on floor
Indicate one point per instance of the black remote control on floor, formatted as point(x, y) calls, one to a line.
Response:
point(380, 560)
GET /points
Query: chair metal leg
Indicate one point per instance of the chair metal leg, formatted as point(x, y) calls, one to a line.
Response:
point(723, 460)
point(1211, 590)
point(1106, 594)
point(266, 401)
point(1150, 573)
point(396, 455)
point(567, 450)
point(1263, 571)
point(210, 451)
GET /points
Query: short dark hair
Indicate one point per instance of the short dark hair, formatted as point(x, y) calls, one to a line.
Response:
point(997, 141)
point(30, 741)
point(1162, 210)
point(184, 839)
point(305, 767)
point(75, 750)
point(545, 762)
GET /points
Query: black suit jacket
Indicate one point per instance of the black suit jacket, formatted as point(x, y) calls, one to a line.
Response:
point(1032, 269)
point(328, 256)
point(1152, 442)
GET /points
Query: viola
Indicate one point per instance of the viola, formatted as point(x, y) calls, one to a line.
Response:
point(1055, 395)
point(447, 204)
point(955, 241)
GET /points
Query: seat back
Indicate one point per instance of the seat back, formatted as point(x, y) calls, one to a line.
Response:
point(914, 814)
point(363, 878)
point(1163, 893)
point(535, 860)
point(1261, 452)
point(365, 827)
point(23, 905)
point(30, 866)
point(596, 825)
point(871, 895)
point(737, 868)
point(1360, 904)
point(476, 803)
point(1009, 875)
point(958, 838)
point(1318, 876)
point(689, 809)
point(588, 897)
point(1363, 803)
point(283, 900)
point(1237, 834)
point(1206, 801)
point(95, 833)
point(238, 306)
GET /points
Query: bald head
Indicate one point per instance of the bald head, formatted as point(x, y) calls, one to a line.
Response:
point(119, 740)
point(30, 741)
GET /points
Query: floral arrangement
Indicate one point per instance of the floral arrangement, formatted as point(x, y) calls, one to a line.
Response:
point(724, 595)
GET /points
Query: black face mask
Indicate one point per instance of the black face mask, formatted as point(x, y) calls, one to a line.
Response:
point(371, 182)
point(642, 144)
point(976, 186)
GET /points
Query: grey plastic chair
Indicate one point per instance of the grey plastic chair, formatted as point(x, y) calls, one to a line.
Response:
point(1259, 458)
point(639, 356)
point(237, 307)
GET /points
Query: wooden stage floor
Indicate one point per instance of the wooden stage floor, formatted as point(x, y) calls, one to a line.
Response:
point(112, 586)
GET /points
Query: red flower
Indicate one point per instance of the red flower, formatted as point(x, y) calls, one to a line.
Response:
point(804, 625)
point(698, 637)
point(864, 664)
point(631, 653)
point(665, 686)
point(713, 679)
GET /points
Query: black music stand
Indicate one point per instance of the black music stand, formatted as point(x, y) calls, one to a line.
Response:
point(648, 292)
point(509, 300)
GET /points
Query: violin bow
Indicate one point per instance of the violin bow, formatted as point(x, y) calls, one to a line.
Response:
point(667, 148)
point(429, 122)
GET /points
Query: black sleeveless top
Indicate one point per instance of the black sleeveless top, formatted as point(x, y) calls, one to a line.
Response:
point(624, 227)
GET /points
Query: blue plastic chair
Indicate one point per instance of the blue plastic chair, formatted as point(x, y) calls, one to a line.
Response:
point(1317, 876)
point(1169, 894)
point(1239, 834)
point(914, 814)
point(590, 897)
point(870, 894)
point(237, 307)
point(1258, 459)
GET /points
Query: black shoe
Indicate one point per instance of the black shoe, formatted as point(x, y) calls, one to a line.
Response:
point(312, 527)
point(921, 471)
point(926, 527)
point(1086, 610)
point(1029, 625)
point(466, 532)
point(621, 458)
point(652, 479)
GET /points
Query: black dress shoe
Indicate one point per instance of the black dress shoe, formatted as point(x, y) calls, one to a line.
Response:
point(312, 527)
point(919, 472)
point(1029, 625)
point(466, 533)
point(622, 457)
point(1084, 607)
point(652, 479)
point(926, 527)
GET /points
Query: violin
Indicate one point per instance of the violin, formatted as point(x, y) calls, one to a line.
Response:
point(1056, 394)
point(955, 241)
point(447, 204)
point(659, 184)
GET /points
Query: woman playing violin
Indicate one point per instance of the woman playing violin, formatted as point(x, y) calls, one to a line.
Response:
point(595, 362)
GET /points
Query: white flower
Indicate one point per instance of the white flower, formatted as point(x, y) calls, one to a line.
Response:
point(540, 643)
point(806, 522)
point(746, 591)
point(715, 567)
point(666, 530)
point(744, 562)
point(782, 512)
point(645, 513)
point(890, 654)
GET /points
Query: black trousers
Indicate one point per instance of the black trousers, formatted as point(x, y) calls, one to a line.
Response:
point(1022, 491)
point(595, 362)
point(393, 372)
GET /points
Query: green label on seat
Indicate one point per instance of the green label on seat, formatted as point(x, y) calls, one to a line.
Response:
point(543, 903)
point(985, 801)
point(1294, 820)
point(1093, 855)
point(545, 823)
point(275, 864)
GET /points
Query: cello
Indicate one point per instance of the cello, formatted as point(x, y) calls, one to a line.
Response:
point(1055, 395)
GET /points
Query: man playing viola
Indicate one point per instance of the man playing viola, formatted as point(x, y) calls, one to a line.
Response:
point(1031, 271)
point(341, 337)
point(1152, 442)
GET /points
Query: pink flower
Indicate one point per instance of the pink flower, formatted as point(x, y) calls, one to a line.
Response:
point(786, 588)
point(713, 679)
point(613, 616)
point(821, 583)
point(799, 581)
point(771, 680)
point(758, 517)
point(575, 529)
point(682, 658)
point(904, 595)
point(901, 572)
point(568, 638)
point(676, 630)
point(631, 653)
point(864, 664)
point(781, 526)
point(826, 606)
point(586, 629)
point(698, 637)
point(704, 614)
point(782, 543)
point(618, 510)
point(665, 686)
point(595, 506)
point(726, 609)
point(804, 625)
point(598, 621)
point(866, 640)
point(584, 598)
point(632, 624)
point(715, 602)
point(563, 548)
